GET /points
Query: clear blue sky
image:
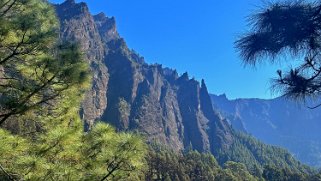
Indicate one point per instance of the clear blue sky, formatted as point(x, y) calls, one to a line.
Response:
point(192, 35)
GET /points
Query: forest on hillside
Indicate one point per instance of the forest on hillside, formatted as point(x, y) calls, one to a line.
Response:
point(44, 82)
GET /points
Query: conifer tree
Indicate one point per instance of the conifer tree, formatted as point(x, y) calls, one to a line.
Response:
point(42, 84)
point(35, 68)
point(292, 29)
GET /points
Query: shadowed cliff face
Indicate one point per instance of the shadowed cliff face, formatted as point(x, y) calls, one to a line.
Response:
point(78, 25)
point(132, 95)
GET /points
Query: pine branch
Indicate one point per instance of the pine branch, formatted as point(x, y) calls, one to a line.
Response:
point(6, 173)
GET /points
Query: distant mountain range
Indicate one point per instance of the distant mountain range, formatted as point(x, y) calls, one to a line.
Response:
point(166, 107)
point(278, 122)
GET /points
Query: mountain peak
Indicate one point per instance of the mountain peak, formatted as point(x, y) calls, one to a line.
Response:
point(100, 16)
point(223, 96)
point(185, 76)
point(70, 2)
point(107, 27)
point(70, 9)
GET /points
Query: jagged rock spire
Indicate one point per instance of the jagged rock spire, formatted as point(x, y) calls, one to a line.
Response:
point(203, 85)
point(100, 16)
point(70, 2)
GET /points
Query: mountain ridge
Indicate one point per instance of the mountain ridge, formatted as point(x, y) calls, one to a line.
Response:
point(133, 95)
point(277, 121)
point(134, 84)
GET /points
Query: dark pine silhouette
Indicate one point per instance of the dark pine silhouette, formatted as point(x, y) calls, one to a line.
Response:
point(287, 28)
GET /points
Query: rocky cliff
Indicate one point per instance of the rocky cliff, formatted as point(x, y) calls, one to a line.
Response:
point(132, 95)
point(78, 25)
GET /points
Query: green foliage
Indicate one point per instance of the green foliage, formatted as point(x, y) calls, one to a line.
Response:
point(42, 84)
point(111, 154)
point(287, 28)
point(36, 70)
point(68, 153)
point(255, 155)
point(237, 171)
point(165, 164)
point(272, 173)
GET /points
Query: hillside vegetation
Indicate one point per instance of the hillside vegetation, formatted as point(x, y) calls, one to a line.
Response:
point(63, 70)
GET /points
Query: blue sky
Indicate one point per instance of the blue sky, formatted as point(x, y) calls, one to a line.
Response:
point(192, 35)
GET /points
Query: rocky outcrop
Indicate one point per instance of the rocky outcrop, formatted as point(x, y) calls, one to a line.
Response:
point(78, 25)
point(159, 103)
point(131, 94)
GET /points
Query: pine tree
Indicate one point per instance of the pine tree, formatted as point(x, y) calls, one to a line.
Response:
point(290, 28)
point(36, 70)
point(42, 84)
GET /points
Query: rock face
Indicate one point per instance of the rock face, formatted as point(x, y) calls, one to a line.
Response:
point(131, 94)
point(171, 109)
point(78, 25)
point(278, 122)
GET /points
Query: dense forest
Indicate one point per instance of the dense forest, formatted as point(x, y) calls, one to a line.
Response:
point(165, 164)
point(44, 80)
